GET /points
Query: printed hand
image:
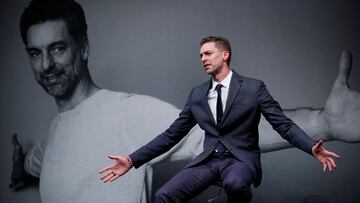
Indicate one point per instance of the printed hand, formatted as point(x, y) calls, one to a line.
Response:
point(114, 171)
point(324, 156)
point(18, 175)
point(342, 108)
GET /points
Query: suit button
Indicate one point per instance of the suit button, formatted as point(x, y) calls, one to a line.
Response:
point(216, 150)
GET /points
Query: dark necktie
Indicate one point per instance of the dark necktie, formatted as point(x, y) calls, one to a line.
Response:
point(219, 108)
point(219, 116)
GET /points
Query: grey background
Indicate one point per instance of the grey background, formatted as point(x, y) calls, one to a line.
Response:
point(153, 48)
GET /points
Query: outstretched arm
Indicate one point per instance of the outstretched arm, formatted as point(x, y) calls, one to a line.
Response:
point(338, 120)
point(157, 146)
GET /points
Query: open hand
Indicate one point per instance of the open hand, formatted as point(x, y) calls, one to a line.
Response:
point(342, 108)
point(324, 156)
point(114, 171)
point(18, 175)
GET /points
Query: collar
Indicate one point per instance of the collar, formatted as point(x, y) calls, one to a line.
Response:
point(225, 83)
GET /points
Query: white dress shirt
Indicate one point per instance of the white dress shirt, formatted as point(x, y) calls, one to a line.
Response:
point(212, 94)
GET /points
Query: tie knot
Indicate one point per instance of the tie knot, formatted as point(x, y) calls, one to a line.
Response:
point(218, 88)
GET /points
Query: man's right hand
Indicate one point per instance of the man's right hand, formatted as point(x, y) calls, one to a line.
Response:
point(18, 175)
point(114, 171)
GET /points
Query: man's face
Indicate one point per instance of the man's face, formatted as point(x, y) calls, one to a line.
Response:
point(56, 59)
point(212, 58)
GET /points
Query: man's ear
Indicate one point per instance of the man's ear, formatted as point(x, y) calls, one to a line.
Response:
point(85, 51)
point(225, 55)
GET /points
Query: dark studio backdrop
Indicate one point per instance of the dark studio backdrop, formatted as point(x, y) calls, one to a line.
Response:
point(153, 48)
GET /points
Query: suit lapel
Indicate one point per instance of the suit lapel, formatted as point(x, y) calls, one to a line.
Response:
point(205, 103)
point(235, 85)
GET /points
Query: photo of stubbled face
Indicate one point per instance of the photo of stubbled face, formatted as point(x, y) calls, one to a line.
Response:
point(56, 59)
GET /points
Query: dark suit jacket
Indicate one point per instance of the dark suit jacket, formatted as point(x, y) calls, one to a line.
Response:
point(247, 100)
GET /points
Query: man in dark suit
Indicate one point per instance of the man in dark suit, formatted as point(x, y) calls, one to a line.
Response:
point(228, 108)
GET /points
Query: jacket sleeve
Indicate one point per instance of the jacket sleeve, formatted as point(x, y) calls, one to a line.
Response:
point(281, 123)
point(166, 140)
point(187, 149)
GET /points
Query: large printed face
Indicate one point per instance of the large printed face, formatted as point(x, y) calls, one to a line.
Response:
point(56, 59)
point(213, 58)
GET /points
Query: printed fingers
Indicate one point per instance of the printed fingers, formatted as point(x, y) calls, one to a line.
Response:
point(16, 186)
point(345, 66)
point(15, 141)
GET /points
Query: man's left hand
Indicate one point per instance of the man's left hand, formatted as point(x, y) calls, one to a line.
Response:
point(324, 156)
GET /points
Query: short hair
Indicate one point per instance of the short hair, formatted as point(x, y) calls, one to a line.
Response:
point(220, 42)
point(39, 11)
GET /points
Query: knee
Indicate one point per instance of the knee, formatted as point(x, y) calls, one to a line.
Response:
point(238, 191)
point(236, 186)
point(163, 195)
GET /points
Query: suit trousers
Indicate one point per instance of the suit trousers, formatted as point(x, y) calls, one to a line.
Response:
point(226, 171)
